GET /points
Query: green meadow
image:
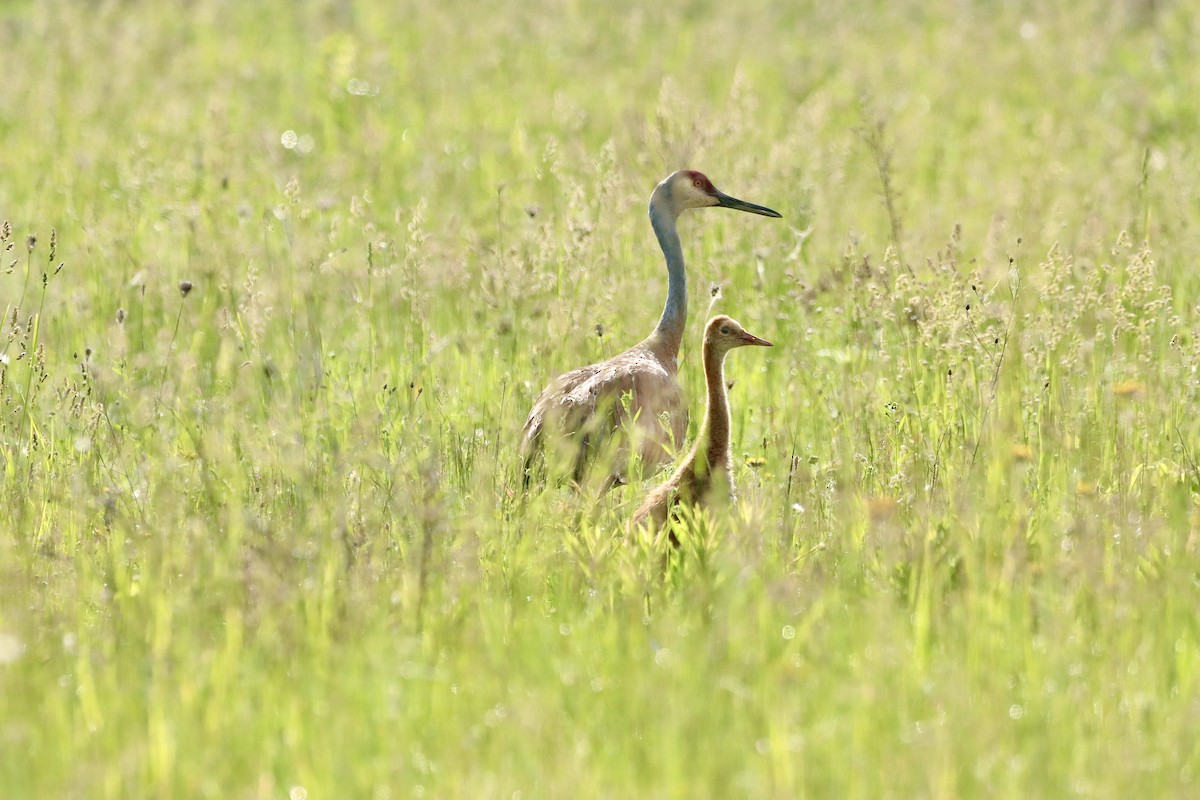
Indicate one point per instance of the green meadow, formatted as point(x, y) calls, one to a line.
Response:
point(280, 282)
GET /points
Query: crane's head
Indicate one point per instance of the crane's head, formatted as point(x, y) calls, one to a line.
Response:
point(688, 188)
point(724, 334)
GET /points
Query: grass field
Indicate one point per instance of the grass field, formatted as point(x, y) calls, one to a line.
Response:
point(265, 537)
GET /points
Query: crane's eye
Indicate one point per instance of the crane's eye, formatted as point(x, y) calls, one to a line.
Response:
point(725, 329)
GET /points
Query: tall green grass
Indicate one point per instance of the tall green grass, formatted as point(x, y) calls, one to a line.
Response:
point(264, 536)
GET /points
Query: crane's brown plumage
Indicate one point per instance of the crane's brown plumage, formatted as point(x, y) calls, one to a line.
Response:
point(581, 410)
point(708, 467)
point(585, 406)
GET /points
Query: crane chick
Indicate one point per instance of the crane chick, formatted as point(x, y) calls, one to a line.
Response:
point(708, 468)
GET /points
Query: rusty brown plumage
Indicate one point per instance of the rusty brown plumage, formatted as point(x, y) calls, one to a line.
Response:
point(708, 467)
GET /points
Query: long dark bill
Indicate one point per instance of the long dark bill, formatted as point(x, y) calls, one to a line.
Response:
point(725, 201)
point(750, 338)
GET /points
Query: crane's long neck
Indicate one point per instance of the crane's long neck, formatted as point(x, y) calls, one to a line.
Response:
point(716, 414)
point(668, 334)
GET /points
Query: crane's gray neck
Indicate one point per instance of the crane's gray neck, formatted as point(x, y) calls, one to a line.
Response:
point(673, 321)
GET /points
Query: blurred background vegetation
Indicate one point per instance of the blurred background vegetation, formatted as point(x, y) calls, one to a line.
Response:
point(264, 537)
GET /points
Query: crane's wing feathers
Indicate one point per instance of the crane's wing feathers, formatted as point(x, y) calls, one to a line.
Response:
point(590, 402)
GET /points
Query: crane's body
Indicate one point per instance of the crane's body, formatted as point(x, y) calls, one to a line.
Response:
point(578, 413)
point(707, 470)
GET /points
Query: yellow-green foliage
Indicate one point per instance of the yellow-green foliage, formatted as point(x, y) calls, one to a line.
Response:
point(281, 280)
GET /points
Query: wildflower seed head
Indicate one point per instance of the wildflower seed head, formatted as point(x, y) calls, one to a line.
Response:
point(1128, 388)
point(881, 507)
point(184, 288)
point(30, 242)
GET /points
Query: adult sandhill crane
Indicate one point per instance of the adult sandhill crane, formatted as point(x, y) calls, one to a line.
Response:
point(708, 468)
point(578, 413)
